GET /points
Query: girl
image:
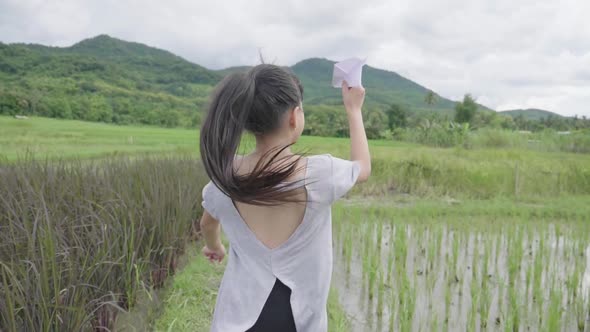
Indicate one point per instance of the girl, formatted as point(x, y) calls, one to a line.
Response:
point(274, 206)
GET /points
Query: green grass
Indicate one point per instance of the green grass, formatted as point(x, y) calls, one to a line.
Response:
point(68, 139)
point(397, 166)
point(191, 299)
point(465, 212)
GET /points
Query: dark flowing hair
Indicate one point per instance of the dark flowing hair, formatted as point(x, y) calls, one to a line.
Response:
point(255, 101)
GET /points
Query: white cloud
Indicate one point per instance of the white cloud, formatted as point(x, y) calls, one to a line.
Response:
point(526, 53)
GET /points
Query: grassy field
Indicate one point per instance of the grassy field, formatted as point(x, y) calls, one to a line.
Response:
point(397, 167)
point(68, 139)
point(438, 239)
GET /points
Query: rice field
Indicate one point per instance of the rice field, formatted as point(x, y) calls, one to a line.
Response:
point(439, 239)
point(464, 266)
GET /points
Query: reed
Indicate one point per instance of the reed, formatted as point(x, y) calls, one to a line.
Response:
point(81, 239)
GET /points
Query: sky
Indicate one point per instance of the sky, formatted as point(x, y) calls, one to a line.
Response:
point(507, 53)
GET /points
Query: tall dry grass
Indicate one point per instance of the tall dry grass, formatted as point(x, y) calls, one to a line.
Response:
point(79, 240)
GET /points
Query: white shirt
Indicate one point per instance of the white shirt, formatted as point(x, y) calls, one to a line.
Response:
point(303, 263)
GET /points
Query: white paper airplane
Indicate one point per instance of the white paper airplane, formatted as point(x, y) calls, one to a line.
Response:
point(349, 70)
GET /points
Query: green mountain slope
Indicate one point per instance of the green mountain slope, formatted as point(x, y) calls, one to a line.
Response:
point(531, 113)
point(103, 79)
point(383, 87)
point(111, 80)
point(162, 66)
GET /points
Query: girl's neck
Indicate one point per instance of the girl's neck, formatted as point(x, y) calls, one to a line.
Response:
point(264, 145)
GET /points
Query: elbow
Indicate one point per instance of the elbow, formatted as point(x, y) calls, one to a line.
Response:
point(208, 222)
point(365, 173)
point(203, 224)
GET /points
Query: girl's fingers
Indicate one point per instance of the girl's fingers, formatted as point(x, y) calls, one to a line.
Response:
point(212, 257)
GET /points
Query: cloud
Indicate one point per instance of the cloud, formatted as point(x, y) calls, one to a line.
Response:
point(526, 53)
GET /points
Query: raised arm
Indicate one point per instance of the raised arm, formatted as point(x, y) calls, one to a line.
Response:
point(353, 99)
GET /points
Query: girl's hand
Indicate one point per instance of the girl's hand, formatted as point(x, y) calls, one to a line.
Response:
point(353, 98)
point(214, 254)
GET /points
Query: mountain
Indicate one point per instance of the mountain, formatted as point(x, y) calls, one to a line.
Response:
point(162, 66)
point(531, 113)
point(111, 80)
point(103, 79)
point(383, 87)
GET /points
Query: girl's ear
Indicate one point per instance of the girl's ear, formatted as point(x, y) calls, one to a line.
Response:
point(293, 116)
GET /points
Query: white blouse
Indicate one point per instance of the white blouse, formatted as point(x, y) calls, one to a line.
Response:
point(303, 263)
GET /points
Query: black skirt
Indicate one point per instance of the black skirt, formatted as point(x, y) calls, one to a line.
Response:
point(276, 314)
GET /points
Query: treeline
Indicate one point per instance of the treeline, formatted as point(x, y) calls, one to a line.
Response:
point(67, 98)
point(92, 101)
point(327, 120)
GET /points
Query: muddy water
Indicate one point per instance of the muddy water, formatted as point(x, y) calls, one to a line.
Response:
point(450, 280)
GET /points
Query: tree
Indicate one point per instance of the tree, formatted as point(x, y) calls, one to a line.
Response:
point(97, 109)
point(317, 122)
point(464, 111)
point(375, 123)
point(397, 117)
point(430, 98)
point(59, 107)
point(9, 104)
point(168, 118)
point(507, 122)
point(486, 119)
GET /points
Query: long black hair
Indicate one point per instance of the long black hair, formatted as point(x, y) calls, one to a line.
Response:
point(255, 101)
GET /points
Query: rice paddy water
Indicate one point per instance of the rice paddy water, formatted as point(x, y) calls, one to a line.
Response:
point(528, 271)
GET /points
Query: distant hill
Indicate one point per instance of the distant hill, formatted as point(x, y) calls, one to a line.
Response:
point(111, 80)
point(103, 79)
point(160, 66)
point(384, 87)
point(236, 69)
point(531, 113)
point(163, 66)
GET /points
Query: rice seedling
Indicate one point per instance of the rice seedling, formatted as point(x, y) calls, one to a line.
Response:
point(473, 287)
point(390, 255)
point(554, 312)
point(380, 293)
point(506, 271)
point(393, 305)
point(447, 306)
point(407, 304)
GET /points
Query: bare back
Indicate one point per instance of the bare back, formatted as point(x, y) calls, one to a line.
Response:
point(272, 225)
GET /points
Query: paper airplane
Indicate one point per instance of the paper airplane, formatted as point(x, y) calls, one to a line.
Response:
point(349, 70)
